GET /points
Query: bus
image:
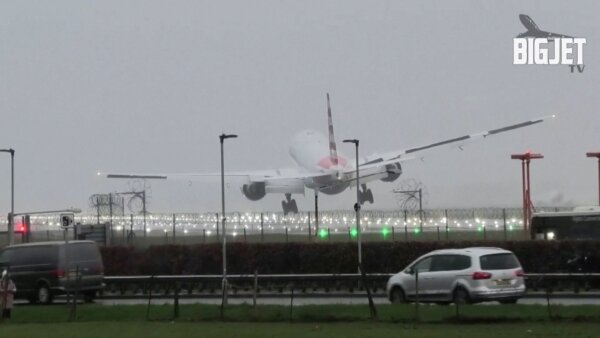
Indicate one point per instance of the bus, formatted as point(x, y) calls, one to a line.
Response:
point(580, 223)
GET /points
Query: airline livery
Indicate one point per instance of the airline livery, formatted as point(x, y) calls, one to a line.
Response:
point(322, 168)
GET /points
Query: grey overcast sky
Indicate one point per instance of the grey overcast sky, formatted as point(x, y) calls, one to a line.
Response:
point(147, 86)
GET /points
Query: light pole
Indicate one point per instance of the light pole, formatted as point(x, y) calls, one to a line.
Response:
point(596, 155)
point(11, 222)
point(525, 158)
point(222, 138)
point(357, 205)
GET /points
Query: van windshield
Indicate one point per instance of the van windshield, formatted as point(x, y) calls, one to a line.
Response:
point(501, 261)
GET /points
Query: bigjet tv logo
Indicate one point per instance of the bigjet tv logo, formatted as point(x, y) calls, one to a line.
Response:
point(538, 47)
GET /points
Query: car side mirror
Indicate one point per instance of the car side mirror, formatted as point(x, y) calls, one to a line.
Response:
point(410, 271)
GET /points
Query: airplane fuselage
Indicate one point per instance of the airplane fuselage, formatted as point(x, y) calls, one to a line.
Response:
point(310, 150)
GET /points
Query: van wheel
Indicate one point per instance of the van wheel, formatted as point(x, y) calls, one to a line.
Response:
point(461, 296)
point(397, 296)
point(44, 296)
point(89, 296)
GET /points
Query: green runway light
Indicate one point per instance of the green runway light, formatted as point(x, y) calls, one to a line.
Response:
point(385, 232)
point(510, 227)
point(417, 230)
point(322, 233)
point(353, 232)
point(479, 229)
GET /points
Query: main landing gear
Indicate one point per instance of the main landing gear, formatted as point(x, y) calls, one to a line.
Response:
point(365, 195)
point(289, 205)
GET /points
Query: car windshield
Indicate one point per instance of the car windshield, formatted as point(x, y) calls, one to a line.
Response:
point(499, 261)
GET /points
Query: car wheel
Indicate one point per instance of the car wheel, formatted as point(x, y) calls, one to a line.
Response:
point(508, 301)
point(461, 296)
point(397, 296)
point(89, 296)
point(32, 299)
point(44, 296)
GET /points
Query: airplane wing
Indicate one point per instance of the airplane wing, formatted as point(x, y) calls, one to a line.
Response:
point(292, 180)
point(551, 35)
point(273, 175)
point(378, 160)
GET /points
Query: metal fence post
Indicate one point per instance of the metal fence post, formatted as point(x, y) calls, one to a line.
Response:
point(174, 222)
point(218, 237)
point(130, 226)
point(417, 295)
point(504, 222)
point(446, 219)
point(309, 229)
point(262, 227)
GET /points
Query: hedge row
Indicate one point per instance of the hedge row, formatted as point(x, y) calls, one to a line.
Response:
point(272, 258)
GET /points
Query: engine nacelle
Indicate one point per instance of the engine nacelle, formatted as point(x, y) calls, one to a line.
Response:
point(254, 191)
point(394, 170)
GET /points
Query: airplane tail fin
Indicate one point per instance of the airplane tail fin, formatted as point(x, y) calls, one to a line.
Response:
point(528, 22)
point(332, 146)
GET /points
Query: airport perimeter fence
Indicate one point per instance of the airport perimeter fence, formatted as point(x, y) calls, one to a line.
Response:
point(376, 225)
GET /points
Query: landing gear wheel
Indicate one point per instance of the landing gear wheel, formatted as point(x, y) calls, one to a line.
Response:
point(369, 196)
point(285, 207)
point(365, 195)
point(289, 205)
point(293, 206)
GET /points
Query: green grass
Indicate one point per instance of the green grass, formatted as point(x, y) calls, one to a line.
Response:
point(327, 330)
point(311, 313)
point(328, 321)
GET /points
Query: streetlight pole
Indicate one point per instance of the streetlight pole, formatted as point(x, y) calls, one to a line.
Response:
point(222, 138)
point(596, 155)
point(357, 205)
point(11, 219)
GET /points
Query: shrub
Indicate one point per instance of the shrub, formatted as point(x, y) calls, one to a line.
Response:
point(284, 258)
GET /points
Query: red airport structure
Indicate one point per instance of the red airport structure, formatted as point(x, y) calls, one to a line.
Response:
point(597, 155)
point(527, 205)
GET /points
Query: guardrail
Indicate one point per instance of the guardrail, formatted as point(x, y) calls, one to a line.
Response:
point(311, 284)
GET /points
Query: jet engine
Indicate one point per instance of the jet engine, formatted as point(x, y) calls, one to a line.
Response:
point(254, 191)
point(394, 170)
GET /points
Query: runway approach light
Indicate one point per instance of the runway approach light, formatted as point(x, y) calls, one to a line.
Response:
point(385, 232)
point(353, 232)
point(322, 233)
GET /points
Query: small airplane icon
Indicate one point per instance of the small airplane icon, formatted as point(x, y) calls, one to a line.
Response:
point(533, 31)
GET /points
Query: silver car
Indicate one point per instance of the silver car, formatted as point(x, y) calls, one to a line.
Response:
point(467, 275)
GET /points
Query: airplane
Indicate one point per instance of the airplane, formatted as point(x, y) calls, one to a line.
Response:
point(322, 168)
point(533, 31)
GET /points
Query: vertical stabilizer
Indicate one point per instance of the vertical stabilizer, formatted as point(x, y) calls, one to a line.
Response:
point(332, 146)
